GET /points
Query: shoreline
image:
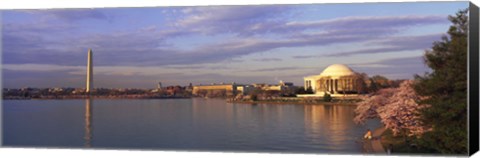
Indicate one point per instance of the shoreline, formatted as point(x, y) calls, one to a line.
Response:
point(293, 103)
point(96, 97)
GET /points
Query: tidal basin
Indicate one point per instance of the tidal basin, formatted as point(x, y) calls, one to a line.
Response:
point(195, 124)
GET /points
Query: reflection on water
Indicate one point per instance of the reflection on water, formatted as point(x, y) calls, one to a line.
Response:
point(329, 123)
point(182, 124)
point(88, 122)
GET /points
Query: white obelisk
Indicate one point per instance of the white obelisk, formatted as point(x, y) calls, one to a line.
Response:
point(89, 72)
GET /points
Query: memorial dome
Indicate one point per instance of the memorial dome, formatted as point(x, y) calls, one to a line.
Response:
point(337, 70)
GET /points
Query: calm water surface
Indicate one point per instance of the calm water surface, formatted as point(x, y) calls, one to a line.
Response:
point(181, 124)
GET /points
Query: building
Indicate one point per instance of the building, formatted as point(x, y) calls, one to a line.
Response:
point(159, 85)
point(173, 90)
point(245, 89)
point(189, 88)
point(222, 86)
point(337, 80)
point(281, 86)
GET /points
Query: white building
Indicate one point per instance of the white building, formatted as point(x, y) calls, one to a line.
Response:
point(337, 80)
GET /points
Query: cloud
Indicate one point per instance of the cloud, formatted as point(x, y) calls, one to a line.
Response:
point(241, 20)
point(394, 68)
point(112, 49)
point(38, 28)
point(198, 67)
point(72, 15)
point(304, 56)
point(69, 15)
point(418, 41)
point(268, 19)
point(370, 22)
point(386, 44)
point(147, 49)
point(277, 69)
point(40, 79)
point(394, 44)
point(268, 59)
point(81, 70)
point(39, 67)
point(32, 49)
point(149, 45)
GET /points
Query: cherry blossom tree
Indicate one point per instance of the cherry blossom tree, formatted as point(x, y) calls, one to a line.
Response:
point(367, 109)
point(397, 109)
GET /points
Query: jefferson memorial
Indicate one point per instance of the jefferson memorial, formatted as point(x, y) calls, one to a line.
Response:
point(336, 80)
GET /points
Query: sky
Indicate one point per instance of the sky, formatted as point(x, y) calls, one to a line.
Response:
point(139, 47)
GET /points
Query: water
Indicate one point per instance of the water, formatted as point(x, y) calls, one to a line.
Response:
point(181, 124)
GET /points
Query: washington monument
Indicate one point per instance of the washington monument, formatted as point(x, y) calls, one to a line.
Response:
point(89, 85)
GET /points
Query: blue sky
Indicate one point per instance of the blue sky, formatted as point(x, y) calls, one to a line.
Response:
point(138, 47)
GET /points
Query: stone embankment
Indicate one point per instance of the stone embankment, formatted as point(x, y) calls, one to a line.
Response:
point(294, 100)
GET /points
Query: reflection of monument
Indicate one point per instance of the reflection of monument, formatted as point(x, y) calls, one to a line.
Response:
point(88, 122)
point(331, 120)
point(89, 85)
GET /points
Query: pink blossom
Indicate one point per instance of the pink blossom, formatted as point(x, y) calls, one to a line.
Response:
point(397, 109)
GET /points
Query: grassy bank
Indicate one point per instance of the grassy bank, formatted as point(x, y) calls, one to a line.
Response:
point(400, 144)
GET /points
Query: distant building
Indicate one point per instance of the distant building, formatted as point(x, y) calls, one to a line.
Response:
point(245, 89)
point(337, 80)
point(159, 85)
point(78, 91)
point(222, 86)
point(189, 88)
point(174, 90)
point(281, 86)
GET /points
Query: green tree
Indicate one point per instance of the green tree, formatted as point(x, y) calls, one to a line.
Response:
point(309, 90)
point(381, 81)
point(373, 86)
point(445, 89)
point(300, 90)
point(327, 97)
